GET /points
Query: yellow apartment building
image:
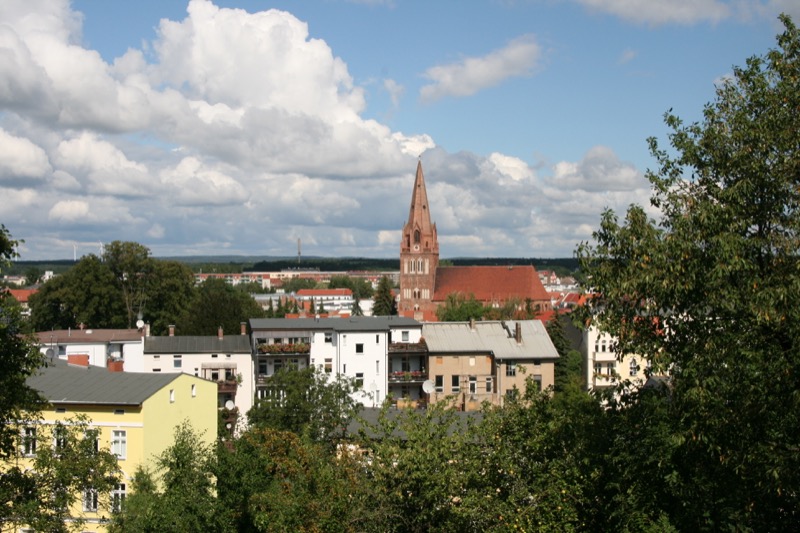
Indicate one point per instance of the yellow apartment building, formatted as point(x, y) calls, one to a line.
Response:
point(136, 415)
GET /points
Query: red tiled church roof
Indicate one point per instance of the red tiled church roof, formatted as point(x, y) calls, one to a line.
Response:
point(490, 283)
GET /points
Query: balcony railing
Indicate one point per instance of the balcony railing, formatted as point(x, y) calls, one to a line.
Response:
point(228, 386)
point(408, 376)
point(284, 349)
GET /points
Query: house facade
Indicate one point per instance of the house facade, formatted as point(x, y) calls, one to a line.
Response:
point(136, 415)
point(603, 368)
point(101, 347)
point(355, 347)
point(474, 362)
point(223, 359)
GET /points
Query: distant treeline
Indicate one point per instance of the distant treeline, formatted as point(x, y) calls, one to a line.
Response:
point(233, 264)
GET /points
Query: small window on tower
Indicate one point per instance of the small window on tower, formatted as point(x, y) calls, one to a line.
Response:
point(416, 236)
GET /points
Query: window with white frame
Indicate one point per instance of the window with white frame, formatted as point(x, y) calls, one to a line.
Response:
point(511, 369)
point(359, 380)
point(473, 384)
point(328, 365)
point(29, 441)
point(634, 367)
point(438, 384)
point(118, 497)
point(119, 443)
point(455, 384)
point(404, 336)
point(90, 500)
point(59, 437)
point(177, 361)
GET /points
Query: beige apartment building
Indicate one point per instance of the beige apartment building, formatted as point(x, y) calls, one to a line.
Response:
point(474, 362)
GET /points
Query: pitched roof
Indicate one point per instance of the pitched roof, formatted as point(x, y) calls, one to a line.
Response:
point(325, 292)
point(88, 336)
point(490, 283)
point(22, 295)
point(353, 323)
point(184, 344)
point(62, 383)
point(496, 337)
point(418, 214)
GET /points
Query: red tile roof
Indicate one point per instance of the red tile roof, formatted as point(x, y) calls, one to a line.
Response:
point(22, 295)
point(490, 283)
point(324, 292)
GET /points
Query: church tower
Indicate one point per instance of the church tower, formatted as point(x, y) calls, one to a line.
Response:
point(419, 256)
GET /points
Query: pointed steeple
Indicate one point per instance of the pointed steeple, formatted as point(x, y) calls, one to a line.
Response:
point(419, 233)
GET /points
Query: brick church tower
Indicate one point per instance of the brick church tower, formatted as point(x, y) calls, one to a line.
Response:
point(419, 257)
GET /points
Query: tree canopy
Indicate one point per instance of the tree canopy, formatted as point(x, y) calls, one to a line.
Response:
point(710, 291)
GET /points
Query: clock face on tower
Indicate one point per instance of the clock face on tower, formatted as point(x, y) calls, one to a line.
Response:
point(416, 247)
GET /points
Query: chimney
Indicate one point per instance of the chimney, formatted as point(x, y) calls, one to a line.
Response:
point(75, 359)
point(219, 333)
point(243, 328)
point(472, 324)
point(518, 332)
point(171, 330)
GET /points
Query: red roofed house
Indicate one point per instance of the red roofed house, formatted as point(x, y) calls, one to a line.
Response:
point(424, 285)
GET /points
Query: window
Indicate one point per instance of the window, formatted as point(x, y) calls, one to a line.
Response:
point(215, 375)
point(454, 384)
point(29, 441)
point(634, 367)
point(90, 500)
point(328, 366)
point(156, 357)
point(328, 337)
point(156, 370)
point(489, 385)
point(405, 336)
point(177, 362)
point(59, 437)
point(537, 383)
point(94, 436)
point(118, 497)
point(172, 396)
point(262, 367)
point(473, 384)
point(214, 356)
point(359, 380)
point(377, 367)
point(119, 443)
point(438, 384)
point(119, 411)
point(377, 339)
point(359, 347)
point(61, 409)
point(511, 369)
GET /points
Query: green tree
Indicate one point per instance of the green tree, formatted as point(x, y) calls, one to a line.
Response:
point(217, 304)
point(459, 308)
point(307, 402)
point(171, 290)
point(131, 265)
point(296, 284)
point(33, 276)
point(385, 304)
point(180, 496)
point(86, 294)
point(19, 359)
point(568, 374)
point(357, 311)
point(45, 496)
point(360, 287)
point(710, 292)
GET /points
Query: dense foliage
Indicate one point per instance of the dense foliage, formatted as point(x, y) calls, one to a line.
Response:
point(711, 292)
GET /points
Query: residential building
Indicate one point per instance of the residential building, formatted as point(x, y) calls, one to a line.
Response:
point(603, 367)
point(136, 415)
point(100, 347)
point(331, 300)
point(425, 285)
point(472, 362)
point(224, 359)
point(356, 347)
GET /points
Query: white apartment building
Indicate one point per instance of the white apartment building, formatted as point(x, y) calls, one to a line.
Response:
point(95, 347)
point(356, 347)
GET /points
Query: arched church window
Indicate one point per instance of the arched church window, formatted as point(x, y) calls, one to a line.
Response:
point(416, 236)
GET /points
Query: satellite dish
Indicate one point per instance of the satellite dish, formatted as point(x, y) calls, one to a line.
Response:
point(140, 323)
point(427, 386)
point(49, 353)
point(229, 405)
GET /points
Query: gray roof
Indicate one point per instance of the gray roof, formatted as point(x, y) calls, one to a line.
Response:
point(185, 344)
point(354, 323)
point(60, 382)
point(88, 336)
point(495, 337)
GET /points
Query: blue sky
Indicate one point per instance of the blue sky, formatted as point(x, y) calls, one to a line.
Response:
point(237, 127)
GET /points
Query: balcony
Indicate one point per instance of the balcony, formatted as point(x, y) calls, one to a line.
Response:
point(228, 386)
point(412, 376)
point(284, 349)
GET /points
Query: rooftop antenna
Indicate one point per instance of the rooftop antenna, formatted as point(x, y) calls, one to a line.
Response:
point(102, 249)
point(298, 250)
point(74, 252)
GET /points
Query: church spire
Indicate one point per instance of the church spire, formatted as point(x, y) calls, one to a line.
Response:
point(419, 224)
